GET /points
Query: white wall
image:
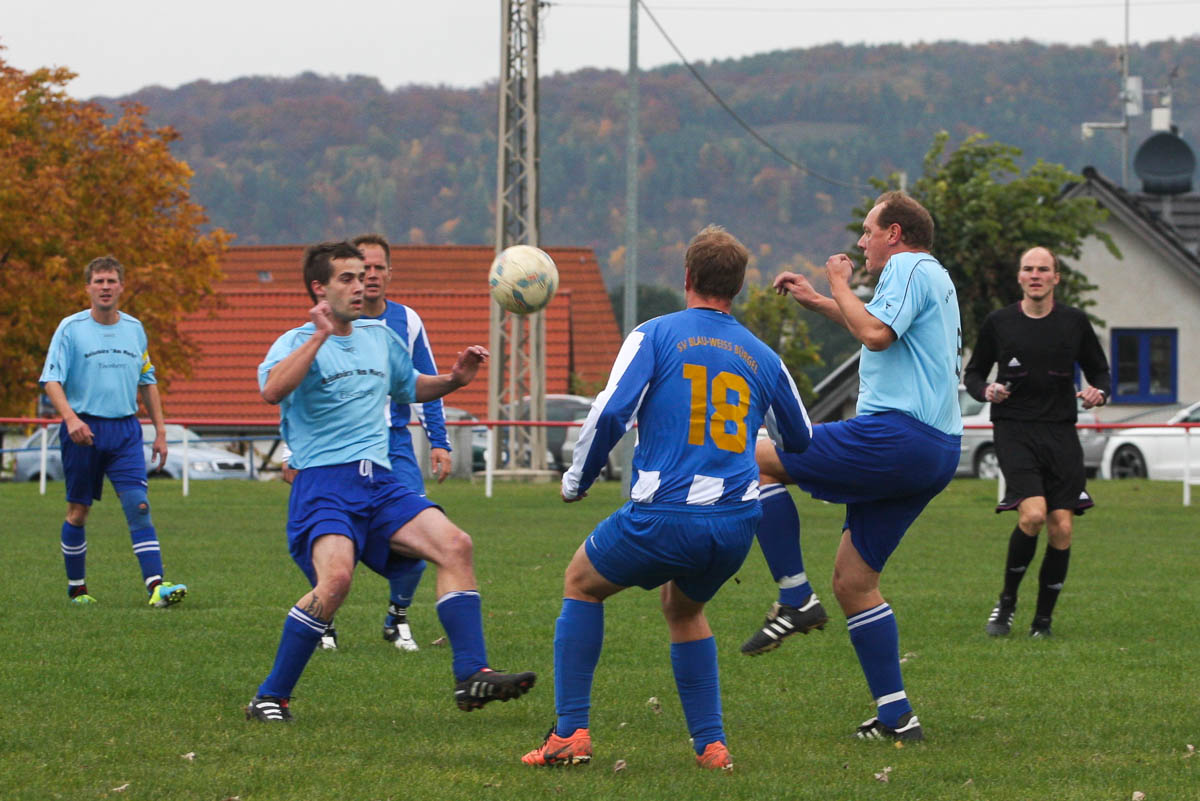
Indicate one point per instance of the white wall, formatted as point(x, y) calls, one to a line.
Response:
point(1143, 291)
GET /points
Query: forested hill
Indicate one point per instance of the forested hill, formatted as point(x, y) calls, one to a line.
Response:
point(300, 159)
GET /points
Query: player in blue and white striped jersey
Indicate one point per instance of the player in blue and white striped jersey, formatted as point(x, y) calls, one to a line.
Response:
point(698, 385)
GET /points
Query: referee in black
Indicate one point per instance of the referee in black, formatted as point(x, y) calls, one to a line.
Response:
point(1035, 345)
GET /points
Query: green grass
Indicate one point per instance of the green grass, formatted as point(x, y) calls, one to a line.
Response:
point(98, 698)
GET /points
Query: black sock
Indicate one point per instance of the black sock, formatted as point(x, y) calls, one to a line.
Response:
point(1050, 580)
point(1021, 548)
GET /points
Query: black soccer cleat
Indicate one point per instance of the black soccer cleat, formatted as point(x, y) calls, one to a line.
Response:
point(1000, 621)
point(484, 686)
point(907, 728)
point(784, 621)
point(268, 709)
point(1040, 627)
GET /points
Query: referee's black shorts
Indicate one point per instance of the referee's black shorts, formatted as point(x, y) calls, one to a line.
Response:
point(1041, 459)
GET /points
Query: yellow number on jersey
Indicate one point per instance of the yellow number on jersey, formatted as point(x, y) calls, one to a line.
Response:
point(723, 411)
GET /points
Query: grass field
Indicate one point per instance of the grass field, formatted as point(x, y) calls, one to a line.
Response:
point(122, 701)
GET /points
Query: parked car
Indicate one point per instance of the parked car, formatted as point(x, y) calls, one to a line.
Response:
point(1153, 452)
point(205, 461)
point(612, 468)
point(559, 408)
point(479, 435)
point(978, 455)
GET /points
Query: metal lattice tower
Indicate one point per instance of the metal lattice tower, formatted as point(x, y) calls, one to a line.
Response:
point(518, 343)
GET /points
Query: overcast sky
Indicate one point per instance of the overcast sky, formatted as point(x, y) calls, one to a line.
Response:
point(119, 46)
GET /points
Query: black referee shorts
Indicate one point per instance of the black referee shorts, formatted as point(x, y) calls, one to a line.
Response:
point(1041, 459)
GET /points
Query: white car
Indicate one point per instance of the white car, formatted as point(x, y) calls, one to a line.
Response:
point(1154, 452)
point(978, 455)
point(204, 460)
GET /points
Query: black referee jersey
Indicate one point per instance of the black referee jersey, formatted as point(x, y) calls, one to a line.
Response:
point(1036, 357)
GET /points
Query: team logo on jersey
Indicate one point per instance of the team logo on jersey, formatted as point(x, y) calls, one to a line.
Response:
point(1014, 362)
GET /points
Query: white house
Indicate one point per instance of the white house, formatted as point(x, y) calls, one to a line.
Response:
point(1149, 300)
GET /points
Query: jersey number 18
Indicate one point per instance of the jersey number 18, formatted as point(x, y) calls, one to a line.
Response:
point(723, 411)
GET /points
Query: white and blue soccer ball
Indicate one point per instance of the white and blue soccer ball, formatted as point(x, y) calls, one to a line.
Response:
point(523, 279)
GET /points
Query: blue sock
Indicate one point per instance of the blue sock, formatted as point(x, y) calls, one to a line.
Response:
point(695, 666)
point(401, 590)
point(876, 638)
point(779, 539)
point(578, 638)
point(74, 551)
point(145, 548)
point(462, 618)
point(301, 633)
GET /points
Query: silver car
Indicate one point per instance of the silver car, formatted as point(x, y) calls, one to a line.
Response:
point(1154, 452)
point(204, 460)
point(978, 456)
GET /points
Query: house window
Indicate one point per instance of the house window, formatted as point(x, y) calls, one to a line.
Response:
point(1144, 365)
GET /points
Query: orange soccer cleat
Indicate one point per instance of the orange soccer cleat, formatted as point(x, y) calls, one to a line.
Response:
point(716, 757)
point(573, 750)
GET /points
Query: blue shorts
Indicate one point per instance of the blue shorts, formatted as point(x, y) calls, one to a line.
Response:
point(885, 467)
point(116, 450)
point(361, 501)
point(697, 547)
point(404, 460)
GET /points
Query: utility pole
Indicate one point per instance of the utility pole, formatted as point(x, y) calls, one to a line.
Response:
point(631, 216)
point(1130, 98)
point(518, 342)
point(631, 175)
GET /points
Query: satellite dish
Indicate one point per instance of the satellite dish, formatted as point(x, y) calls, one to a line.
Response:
point(1165, 163)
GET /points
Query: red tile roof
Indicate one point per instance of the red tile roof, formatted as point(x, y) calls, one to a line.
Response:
point(264, 297)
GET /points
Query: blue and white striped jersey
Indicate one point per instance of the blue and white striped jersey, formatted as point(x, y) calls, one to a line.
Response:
point(407, 323)
point(699, 385)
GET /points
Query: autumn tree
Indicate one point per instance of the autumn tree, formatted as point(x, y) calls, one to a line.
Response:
point(76, 183)
point(987, 212)
point(773, 319)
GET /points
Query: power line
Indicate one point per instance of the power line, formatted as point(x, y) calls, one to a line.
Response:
point(737, 118)
point(893, 9)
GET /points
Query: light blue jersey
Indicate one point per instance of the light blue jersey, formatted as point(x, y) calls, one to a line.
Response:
point(336, 415)
point(407, 324)
point(99, 366)
point(919, 373)
point(699, 384)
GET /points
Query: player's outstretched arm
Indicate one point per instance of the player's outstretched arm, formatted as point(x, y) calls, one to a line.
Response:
point(803, 292)
point(431, 387)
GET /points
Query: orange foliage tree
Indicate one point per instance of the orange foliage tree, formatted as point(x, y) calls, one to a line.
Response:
point(76, 183)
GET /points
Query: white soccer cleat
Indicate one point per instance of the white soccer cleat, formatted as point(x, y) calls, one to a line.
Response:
point(329, 639)
point(400, 636)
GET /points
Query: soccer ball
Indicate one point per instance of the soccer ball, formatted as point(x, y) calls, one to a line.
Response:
point(523, 279)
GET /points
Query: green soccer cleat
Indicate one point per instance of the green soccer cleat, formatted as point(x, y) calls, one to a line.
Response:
point(83, 600)
point(167, 594)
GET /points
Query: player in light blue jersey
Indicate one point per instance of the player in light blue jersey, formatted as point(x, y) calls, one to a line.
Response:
point(97, 367)
point(887, 463)
point(407, 323)
point(698, 385)
point(332, 379)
